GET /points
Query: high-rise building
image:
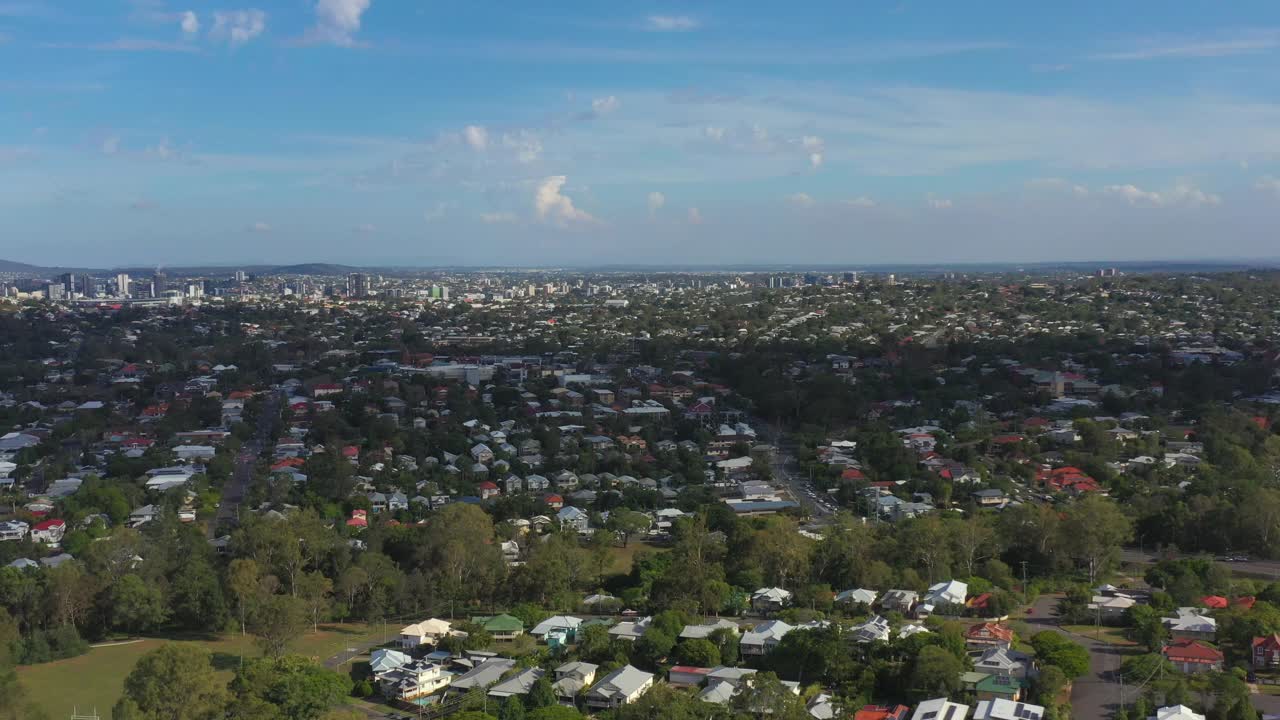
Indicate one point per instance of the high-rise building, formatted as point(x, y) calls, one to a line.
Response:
point(359, 285)
point(240, 276)
point(158, 284)
point(68, 281)
point(122, 284)
point(55, 291)
point(88, 286)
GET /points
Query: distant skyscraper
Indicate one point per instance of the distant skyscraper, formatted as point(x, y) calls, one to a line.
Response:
point(88, 286)
point(359, 285)
point(158, 284)
point(240, 276)
point(122, 284)
point(68, 281)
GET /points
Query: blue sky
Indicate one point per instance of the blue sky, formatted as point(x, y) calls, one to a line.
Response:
point(430, 132)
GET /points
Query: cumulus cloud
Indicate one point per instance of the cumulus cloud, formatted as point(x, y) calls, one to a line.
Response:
point(695, 216)
point(553, 206)
point(802, 200)
point(815, 160)
point(1184, 194)
point(715, 134)
point(190, 23)
point(811, 142)
point(476, 137)
point(656, 201)
point(671, 23)
point(237, 27)
point(498, 218)
point(337, 21)
point(259, 227)
point(939, 203)
point(163, 150)
point(1269, 184)
point(605, 105)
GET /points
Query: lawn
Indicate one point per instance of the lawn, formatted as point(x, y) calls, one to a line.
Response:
point(624, 557)
point(96, 678)
point(1110, 635)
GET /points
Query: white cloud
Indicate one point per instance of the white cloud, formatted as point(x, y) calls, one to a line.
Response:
point(671, 23)
point(861, 201)
point(605, 105)
point(939, 203)
point(811, 142)
point(337, 21)
point(476, 136)
point(803, 200)
point(1243, 43)
point(815, 160)
point(1269, 184)
point(551, 205)
point(190, 23)
point(164, 150)
point(656, 201)
point(714, 134)
point(238, 27)
point(1183, 194)
point(111, 145)
point(498, 218)
point(259, 227)
point(759, 134)
point(695, 216)
point(525, 143)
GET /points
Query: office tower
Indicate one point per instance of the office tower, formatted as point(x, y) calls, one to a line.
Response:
point(122, 284)
point(55, 291)
point(68, 281)
point(88, 286)
point(158, 284)
point(240, 276)
point(359, 285)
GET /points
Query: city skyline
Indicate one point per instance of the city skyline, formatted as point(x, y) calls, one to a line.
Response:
point(375, 133)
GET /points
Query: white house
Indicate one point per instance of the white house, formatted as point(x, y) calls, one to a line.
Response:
point(620, 687)
point(1190, 624)
point(571, 516)
point(875, 629)
point(571, 679)
point(423, 633)
point(770, 599)
point(940, 709)
point(763, 637)
point(558, 623)
point(951, 592)
point(1001, 709)
point(855, 597)
point(49, 531)
point(693, 632)
point(13, 530)
point(1176, 712)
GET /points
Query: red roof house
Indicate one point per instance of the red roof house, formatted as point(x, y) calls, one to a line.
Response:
point(1193, 656)
point(882, 712)
point(1266, 652)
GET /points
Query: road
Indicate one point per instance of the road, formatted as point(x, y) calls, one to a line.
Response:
point(1268, 569)
point(233, 491)
point(1097, 695)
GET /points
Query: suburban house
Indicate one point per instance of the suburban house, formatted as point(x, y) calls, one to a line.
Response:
point(427, 632)
point(951, 592)
point(763, 637)
point(860, 596)
point(940, 709)
point(486, 674)
point(1266, 652)
point(620, 687)
point(1190, 624)
point(683, 676)
point(1193, 656)
point(882, 712)
point(49, 531)
point(557, 631)
point(572, 517)
point(517, 685)
point(875, 629)
point(1000, 709)
point(383, 660)
point(501, 627)
point(1004, 661)
point(985, 635)
point(13, 530)
point(899, 601)
point(1111, 608)
point(571, 679)
point(693, 632)
point(417, 679)
point(630, 630)
point(1176, 712)
point(1000, 687)
point(770, 599)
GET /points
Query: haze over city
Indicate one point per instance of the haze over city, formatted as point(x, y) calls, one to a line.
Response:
point(372, 132)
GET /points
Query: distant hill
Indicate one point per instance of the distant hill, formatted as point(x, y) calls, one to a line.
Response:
point(8, 266)
point(311, 269)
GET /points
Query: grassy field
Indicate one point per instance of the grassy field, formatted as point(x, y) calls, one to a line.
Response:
point(96, 678)
point(624, 557)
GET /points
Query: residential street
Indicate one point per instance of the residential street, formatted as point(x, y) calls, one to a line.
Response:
point(1098, 694)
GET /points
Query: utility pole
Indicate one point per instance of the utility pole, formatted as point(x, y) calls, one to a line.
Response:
point(1024, 582)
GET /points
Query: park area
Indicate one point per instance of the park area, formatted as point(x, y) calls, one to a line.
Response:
point(96, 679)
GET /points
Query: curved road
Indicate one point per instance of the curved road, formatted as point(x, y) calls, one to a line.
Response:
point(1097, 695)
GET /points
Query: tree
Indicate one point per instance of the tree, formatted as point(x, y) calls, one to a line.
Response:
point(974, 540)
point(137, 606)
point(937, 672)
point(196, 597)
point(244, 581)
point(1054, 649)
point(541, 695)
point(764, 695)
point(697, 652)
point(1049, 685)
point(1096, 530)
point(276, 622)
point(1146, 627)
point(627, 523)
point(511, 709)
point(314, 589)
point(173, 682)
point(295, 685)
point(554, 712)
